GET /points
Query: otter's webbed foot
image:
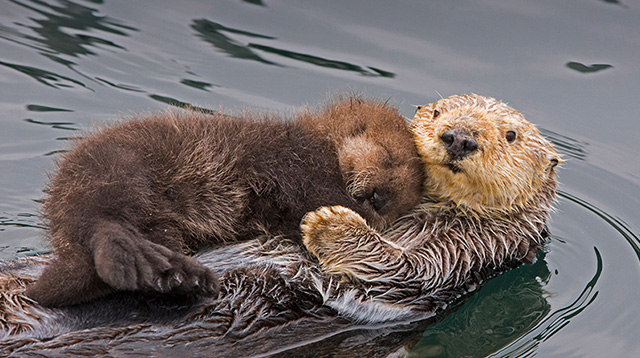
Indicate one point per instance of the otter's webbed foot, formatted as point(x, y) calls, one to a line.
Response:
point(126, 262)
point(337, 236)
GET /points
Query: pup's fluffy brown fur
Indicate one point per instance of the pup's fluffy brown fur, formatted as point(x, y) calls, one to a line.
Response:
point(130, 202)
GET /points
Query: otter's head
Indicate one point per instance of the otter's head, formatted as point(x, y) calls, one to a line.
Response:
point(378, 158)
point(483, 156)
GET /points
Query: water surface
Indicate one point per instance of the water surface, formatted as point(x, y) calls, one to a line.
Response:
point(570, 67)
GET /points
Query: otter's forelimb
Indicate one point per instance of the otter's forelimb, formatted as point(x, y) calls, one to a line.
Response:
point(431, 263)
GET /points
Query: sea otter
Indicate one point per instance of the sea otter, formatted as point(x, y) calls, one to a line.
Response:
point(489, 187)
point(275, 297)
point(130, 201)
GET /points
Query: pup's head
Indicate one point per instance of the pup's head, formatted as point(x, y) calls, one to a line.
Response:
point(378, 158)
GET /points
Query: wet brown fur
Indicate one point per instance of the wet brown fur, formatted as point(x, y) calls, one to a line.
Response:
point(130, 202)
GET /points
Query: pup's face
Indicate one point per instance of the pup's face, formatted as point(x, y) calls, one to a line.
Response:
point(385, 179)
point(379, 162)
point(482, 154)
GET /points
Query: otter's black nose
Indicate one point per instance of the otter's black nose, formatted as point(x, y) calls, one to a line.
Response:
point(458, 143)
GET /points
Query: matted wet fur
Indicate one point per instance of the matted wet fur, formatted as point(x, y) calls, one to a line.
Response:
point(271, 302)
point(277, 299)
point(130, 202)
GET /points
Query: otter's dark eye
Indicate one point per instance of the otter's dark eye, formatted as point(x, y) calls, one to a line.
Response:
point(436, 113)
point(510, 136)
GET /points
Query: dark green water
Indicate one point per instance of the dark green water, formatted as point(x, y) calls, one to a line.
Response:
point(570, 66)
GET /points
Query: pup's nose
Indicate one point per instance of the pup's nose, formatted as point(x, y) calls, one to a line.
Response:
point(380, 200)
point(458, 143)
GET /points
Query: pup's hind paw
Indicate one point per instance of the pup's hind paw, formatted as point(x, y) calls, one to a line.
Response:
point(329, 231)
point(131, 263)
point(186, 275)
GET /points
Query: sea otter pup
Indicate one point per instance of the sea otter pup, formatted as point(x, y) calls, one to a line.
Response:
point(490, 184)
point(274, 296)
point(130, 201)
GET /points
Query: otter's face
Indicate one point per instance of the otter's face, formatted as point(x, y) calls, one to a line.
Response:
point(481, 154)
point(383, 172)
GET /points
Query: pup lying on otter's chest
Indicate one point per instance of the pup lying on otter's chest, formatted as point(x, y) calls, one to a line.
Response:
point(130, 202)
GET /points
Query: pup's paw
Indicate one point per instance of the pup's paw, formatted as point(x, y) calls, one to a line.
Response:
point(131, 263)
point(326, 231)
point(186, 275)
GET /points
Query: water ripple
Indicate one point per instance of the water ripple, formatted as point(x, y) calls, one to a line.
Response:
point(569, 147)
point(577, 66)
point(45, 77)
point(56, 125)
point(198, 84)
point(53, 30)
point(119, 86)
point(323, 62)
point(507, 307)
point(180, 104)
point(213, 33)
point(526, 345)
point(41, 108)
point(21, 220)
point(618, 224)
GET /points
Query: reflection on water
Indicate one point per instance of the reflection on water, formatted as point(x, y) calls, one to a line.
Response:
point(615, 2)
point(568, 147)
point(526, 345)
point(43, 76)
point(323, 62)
point(619, 225)
point(40, 108)
point(54, 34)
point(56, 125)
point(180, 104)
point(504, 309)
point(21, 220)
point(124, 87)
point(67, 65)
point(198, 84)
point(255, 2)
point(213, 33)
point(67, 29)
point(587, 68)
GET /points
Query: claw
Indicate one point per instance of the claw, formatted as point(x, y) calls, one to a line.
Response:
point(177, 279)
point(159, 285)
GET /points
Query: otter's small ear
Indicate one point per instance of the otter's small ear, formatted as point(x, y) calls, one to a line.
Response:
point(418, 108)
point(554, 160)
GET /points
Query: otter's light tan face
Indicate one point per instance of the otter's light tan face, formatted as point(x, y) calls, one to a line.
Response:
point(482, 154)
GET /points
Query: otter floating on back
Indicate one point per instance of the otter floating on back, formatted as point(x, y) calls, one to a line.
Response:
point(490, 186)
